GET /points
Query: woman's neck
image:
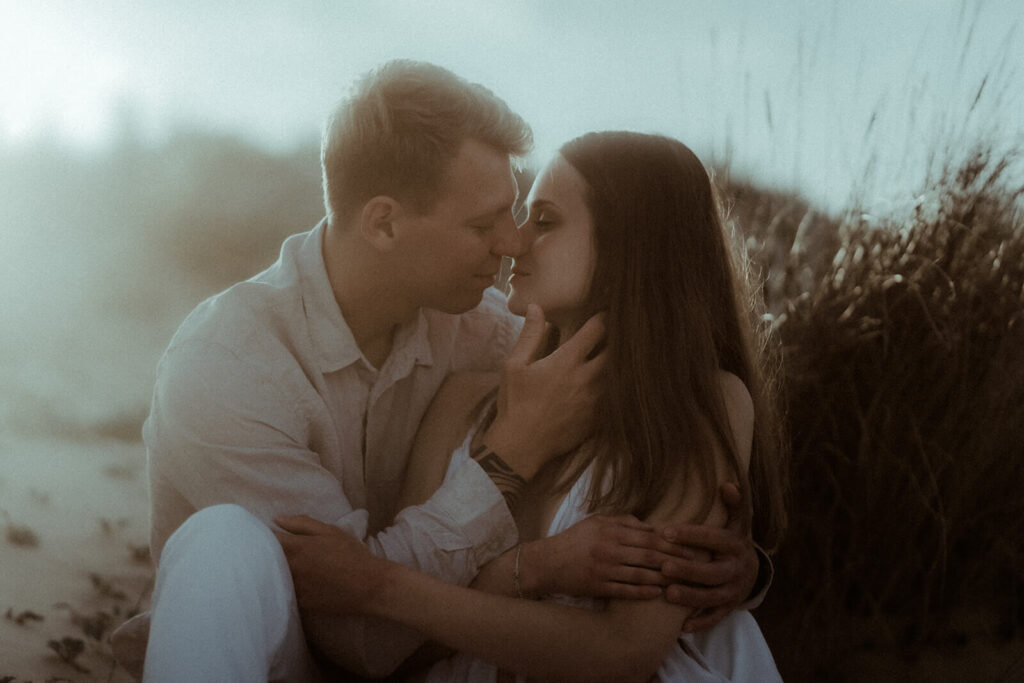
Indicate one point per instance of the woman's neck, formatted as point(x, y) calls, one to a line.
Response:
point(566, 328)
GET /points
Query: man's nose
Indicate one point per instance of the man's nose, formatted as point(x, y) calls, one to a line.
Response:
point(508, 240)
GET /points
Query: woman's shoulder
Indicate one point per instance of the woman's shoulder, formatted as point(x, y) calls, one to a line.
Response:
point(735, 392)
point(739, 408)
point(685, 498)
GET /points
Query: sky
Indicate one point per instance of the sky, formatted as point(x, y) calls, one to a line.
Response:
point(831, 98)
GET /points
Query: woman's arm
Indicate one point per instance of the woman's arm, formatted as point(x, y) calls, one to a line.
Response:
point(444, 426)
point(538, 639)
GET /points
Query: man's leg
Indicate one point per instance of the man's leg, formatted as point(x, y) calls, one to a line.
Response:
point(224, 605)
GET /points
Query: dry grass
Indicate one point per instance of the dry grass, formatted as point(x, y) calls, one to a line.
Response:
point(904, 376)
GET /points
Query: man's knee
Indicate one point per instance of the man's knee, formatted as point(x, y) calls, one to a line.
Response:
point(223, 586)
point(228, 534)
point(226, 519)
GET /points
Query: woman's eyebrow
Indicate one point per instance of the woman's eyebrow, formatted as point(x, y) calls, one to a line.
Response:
point(542, 203)
point(530, 208)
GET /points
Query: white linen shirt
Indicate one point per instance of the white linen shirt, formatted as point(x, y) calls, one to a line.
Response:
point(263, 399)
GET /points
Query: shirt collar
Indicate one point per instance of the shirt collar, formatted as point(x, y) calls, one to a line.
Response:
point(411, 346)
point(330, 333)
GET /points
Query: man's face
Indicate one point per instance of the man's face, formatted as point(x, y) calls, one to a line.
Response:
point(454, 251)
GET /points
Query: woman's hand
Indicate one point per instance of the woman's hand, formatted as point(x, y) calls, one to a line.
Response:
point(332, 571)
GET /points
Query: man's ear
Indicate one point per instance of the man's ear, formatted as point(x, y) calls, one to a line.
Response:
point(377, 221)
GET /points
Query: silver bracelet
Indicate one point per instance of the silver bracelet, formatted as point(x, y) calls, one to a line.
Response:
point(515, 572)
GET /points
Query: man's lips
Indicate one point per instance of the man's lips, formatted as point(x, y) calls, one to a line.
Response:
point(487, 279)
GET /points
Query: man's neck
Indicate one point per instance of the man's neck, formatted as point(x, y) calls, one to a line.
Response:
point(372, 307)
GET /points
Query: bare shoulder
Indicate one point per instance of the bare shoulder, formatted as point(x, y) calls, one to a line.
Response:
point(682, 502)
point(740, 408)
point(736, 395)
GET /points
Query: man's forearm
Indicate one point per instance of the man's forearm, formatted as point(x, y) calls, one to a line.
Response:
point(465, 525)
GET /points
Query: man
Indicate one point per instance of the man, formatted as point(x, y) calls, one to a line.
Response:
point(300, 391)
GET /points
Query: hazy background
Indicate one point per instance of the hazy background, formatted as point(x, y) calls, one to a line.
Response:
point(153, 152)
point(786, 90)
point(150, 151)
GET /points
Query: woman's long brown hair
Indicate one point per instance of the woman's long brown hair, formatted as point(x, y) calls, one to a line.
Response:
point(677, 313)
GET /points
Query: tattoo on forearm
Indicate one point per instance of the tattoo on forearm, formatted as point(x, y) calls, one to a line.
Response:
point(504, 477)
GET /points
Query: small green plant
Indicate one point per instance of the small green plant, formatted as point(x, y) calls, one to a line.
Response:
point(19, 534)
point(69, 650)
point(105, 588)
point(22, 617)
point(139, 553)
point(92, 625)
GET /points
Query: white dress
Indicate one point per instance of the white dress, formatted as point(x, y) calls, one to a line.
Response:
point(734, 650)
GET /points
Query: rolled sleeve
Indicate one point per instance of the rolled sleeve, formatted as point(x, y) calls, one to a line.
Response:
point(473, 504)
point(464, 525)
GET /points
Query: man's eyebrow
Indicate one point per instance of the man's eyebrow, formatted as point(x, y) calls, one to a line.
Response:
point(492, 215)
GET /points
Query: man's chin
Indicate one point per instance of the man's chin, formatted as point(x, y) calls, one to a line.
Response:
point(454, 307)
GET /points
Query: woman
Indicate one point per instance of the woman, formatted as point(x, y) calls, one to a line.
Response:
point(626, 224)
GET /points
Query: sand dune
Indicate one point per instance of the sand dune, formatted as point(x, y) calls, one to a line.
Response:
point(74, 560)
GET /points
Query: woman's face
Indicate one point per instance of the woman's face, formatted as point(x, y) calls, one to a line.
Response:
point(555, 268)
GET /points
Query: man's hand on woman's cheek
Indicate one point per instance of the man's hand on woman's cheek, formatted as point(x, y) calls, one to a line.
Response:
point(545, 405)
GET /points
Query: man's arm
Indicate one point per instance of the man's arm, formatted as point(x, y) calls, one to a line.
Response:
point(222, 431)
point(625, 558)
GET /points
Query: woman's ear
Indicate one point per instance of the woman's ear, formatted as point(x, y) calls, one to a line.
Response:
point(377, 221)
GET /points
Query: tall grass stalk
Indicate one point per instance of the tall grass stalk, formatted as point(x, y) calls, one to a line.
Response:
point(904, 378)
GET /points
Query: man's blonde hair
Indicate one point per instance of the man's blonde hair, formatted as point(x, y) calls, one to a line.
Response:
point(398, 131)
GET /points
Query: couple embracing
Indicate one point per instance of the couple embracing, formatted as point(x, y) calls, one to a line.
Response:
point(366, 462)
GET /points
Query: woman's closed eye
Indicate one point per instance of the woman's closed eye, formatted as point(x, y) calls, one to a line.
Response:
point(544, 220)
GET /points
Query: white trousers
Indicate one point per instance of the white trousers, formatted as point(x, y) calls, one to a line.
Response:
point(224, 605)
